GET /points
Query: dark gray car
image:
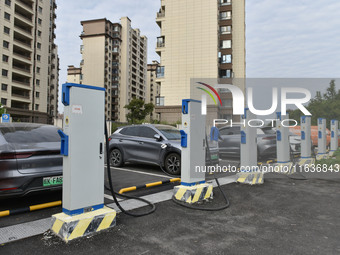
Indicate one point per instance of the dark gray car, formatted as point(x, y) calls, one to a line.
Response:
point(149, 144)
point(30, 158)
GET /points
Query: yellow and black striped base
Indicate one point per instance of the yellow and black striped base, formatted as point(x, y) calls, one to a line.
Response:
point(193, 194)
point(284, 168)
point(321, 156)
point(70, 227)
point(251, 178)
point(306, 162)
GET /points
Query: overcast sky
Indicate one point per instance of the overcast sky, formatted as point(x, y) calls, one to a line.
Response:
point(285, 38)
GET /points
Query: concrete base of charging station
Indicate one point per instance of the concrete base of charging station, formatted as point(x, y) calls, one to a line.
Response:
point(70, 227)
point(284, 168)
point(331, 153)
point(306, 161)
point(321, 156)
point(193, 194)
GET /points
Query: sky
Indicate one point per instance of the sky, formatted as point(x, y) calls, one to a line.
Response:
point(284, 38)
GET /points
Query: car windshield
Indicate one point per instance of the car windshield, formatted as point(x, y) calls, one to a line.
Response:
point(171, 133)
point(268, 131)
point(30, 134)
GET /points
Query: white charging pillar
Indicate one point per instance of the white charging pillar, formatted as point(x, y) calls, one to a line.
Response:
point(322, 139)
point(282, 143)
point(306, 142)
point(334, 136)
point(193, 187)
point(248, 142)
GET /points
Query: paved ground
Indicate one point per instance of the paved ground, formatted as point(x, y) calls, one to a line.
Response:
point(283, 216)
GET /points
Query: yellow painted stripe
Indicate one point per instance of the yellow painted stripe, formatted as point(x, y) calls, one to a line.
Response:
point(255, 178)
point(189, 200)
point(197, 194)
point(175, 180)
point(208, 193)
point(80, 228)
point(57, 226)
point(106, 222)
point(269, 161)
point(127, 189)
point(180, 193)
point(153, 184)
point(242, 177)
point(46, 205)
point(4, 213)
point(260, 178)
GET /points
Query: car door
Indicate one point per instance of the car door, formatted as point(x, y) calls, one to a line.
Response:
point(231, 140)
point(128, 141)
point(149, 148)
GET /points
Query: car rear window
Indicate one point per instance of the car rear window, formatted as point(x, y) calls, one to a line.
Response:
point(30, 134)
point(131, 131)
point(170, 133)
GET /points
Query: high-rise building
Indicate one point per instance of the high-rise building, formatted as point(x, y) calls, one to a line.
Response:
point(74, 75)
point(29, 66)
point(114, 56)
point(199, 39)
point(152, 87)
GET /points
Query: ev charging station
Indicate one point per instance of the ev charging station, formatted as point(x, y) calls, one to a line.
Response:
point(193, 187)
point(282, 144)
point(322, 139)
point(249, 170)
point(334, 137)
point(306, 142)
point(82, 147)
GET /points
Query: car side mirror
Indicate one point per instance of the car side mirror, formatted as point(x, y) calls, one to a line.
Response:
point(157, 137)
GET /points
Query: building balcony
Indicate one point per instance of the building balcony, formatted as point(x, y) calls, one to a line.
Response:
point(21, 70)
point(23, 44)
point(160, 17)
point(22, 57)
point(27, 5)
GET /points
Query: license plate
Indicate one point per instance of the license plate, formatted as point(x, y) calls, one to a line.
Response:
point(52, 181)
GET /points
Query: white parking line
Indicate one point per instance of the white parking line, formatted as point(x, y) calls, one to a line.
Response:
point(138, 172)
point(111, 198)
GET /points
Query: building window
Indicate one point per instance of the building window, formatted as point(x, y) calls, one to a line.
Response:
point(227, 103)
point(8, 2)
point(39, 33)
point(160, 41)
point(38, 82)
point(38, 69)
point(225, 74)
point(39, 21)
point(38, 57)
point(225, 44)
point(160, 72)
point(5, 58)
point(39, 45)
point(3, 101)
point(4, 87)
point(225, 15)
point(159, 101)
point(40, 9)
point(4, 72)
point(6, 30)
point(37, 94)
point(7, 16)
point(5, 44)
point(226, 59)
point(37, 107)
point(225, 30)
point(225, 2)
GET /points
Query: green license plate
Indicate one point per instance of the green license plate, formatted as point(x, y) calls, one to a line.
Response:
point(214, 157)
point(52, 181)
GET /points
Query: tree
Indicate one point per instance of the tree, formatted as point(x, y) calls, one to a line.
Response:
point(138, 110)
point(2, 109)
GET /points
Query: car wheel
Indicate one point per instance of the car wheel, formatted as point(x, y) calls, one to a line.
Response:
point(116, 158)
point(172, 164)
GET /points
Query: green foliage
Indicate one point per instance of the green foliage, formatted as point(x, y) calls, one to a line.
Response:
point(331, 161)
point(322, 106)
point(2, 110)
point(138, 111)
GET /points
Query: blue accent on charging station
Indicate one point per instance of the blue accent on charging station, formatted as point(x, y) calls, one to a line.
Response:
point(320, 120)
point(278, 114)
point(303, 119)
point(64, 143)
point(303, 135)
point(82, 210)
point(192, 184)
point(245, 113)
point(278, 135)
point(184, 139)
point(243, 137)
point(66, 91)
point(185, 105)
point(320, 134)
point(332, 134)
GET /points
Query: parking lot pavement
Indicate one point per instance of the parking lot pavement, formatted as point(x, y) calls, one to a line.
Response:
point(283, 216)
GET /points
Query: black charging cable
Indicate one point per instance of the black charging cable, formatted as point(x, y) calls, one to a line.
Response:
point(115, 194)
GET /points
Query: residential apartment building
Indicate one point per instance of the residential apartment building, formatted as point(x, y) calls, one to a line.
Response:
point(199, 39)
point(153, 88)
point(29, 65)
point(114, 56)
point(74, 75)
